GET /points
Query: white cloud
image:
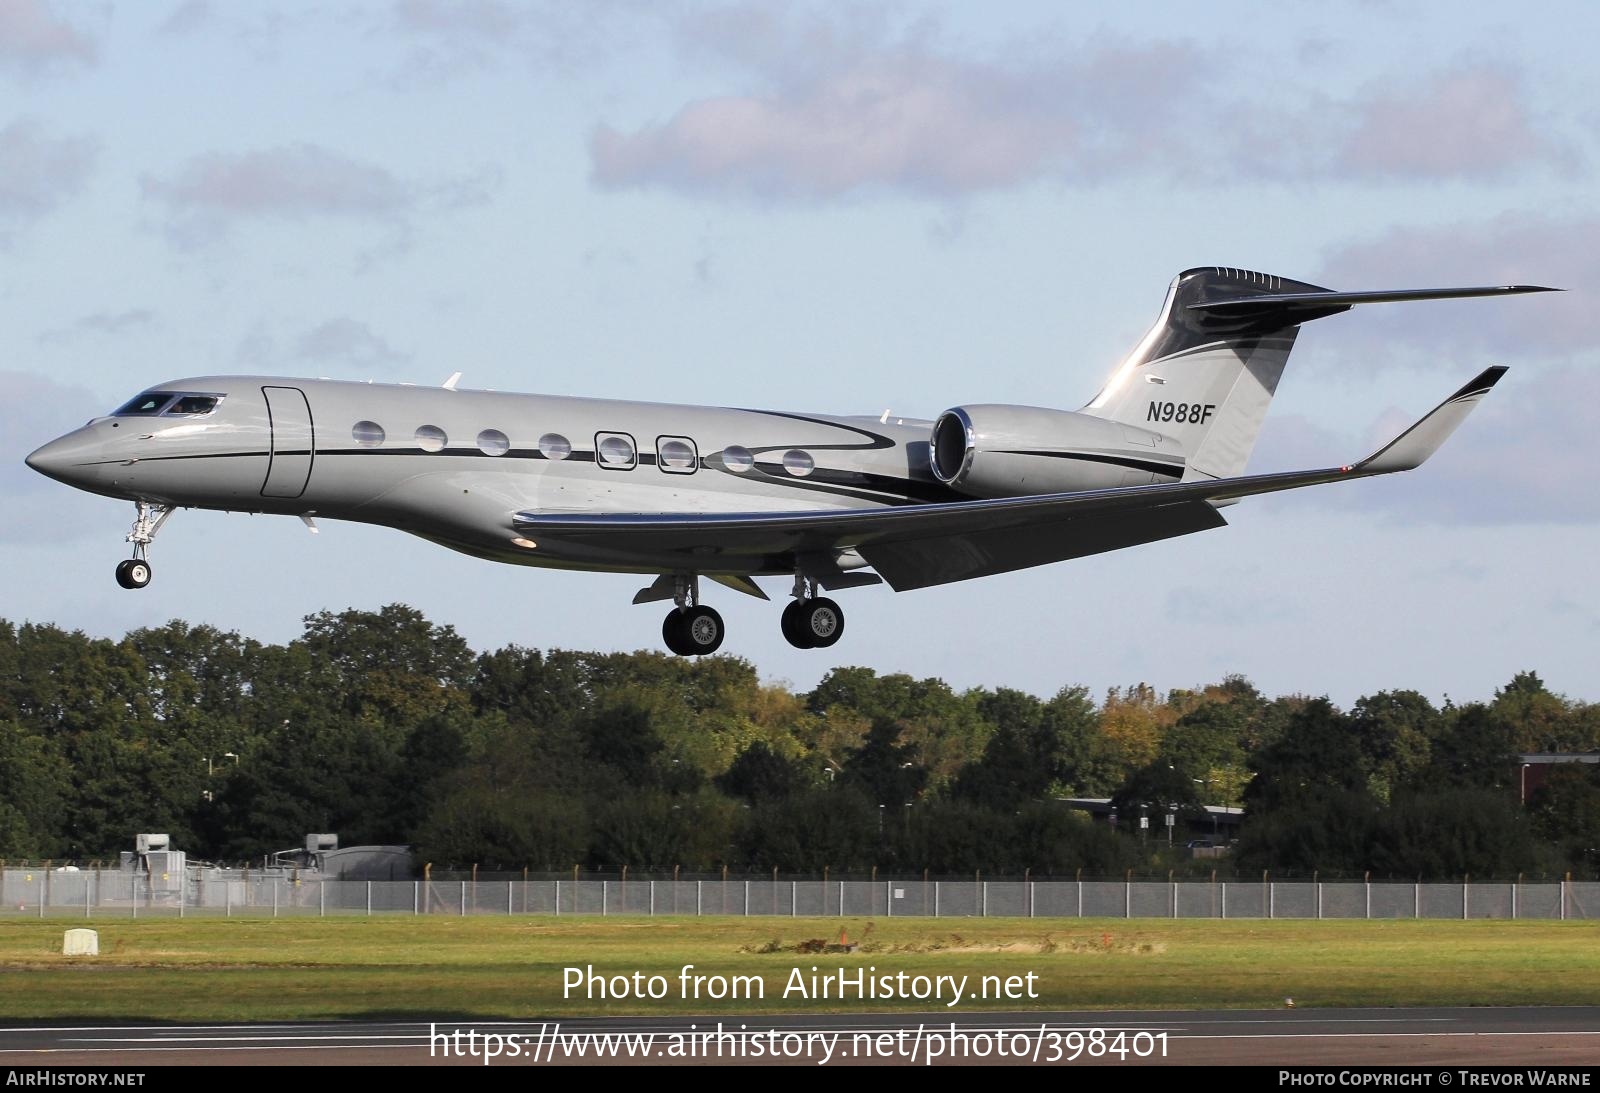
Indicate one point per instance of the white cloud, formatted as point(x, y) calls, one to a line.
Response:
point(836, 111)
point(102, 322)
point(348, 341)
point(34, 38)
point(1524, 457)
point(1464, 122)
point(1515, 248)
point(39, 172)
point(819, 108)
point(300, 182)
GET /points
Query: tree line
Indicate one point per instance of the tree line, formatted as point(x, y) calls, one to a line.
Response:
point(386, 728)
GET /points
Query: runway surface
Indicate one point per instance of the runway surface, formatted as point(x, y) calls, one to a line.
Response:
point(1288, 1037)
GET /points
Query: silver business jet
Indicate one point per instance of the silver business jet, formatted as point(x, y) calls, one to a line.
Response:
point(685, 492)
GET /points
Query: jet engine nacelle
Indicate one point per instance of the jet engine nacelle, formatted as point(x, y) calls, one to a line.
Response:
point(1016, 451)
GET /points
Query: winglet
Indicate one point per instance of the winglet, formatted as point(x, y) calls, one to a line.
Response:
point(1413, 447)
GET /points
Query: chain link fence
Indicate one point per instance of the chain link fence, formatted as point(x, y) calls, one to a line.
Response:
point(216, 892)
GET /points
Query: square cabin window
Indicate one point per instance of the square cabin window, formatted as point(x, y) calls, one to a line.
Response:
point(677, 455)
point(615, 451)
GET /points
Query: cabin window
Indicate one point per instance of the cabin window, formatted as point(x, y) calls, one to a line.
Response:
point(677, 455)
point(615, 451)
point(554, 446)
point(431, 438)
point(737, 459)
point(493, 442)
point(368, 434)
point(798, 463)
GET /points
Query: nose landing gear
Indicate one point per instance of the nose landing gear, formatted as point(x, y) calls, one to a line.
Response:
point(147, 521)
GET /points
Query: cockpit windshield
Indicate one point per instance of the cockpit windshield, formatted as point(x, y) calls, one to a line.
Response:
point(168, 404)
point(146, 405)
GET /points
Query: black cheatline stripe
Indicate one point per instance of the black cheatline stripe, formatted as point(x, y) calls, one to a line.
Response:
point(875, 440)
point(1116, 461)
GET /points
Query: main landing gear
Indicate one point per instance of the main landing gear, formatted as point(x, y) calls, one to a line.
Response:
point(147, 520)
point(691, 629)
point(811, 621)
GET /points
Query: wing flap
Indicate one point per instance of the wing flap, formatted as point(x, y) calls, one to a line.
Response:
point(919, 563)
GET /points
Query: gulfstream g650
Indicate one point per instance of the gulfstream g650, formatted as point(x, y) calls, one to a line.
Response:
point(685, 492)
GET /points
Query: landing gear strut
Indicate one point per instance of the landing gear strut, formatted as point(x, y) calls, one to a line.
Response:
point(811, 621)
point(691, 628)
point(147, 520)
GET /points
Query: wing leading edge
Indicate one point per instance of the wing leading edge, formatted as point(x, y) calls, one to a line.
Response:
point(921, 545)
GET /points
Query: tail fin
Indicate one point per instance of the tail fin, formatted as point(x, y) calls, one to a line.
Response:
point(1208, 369)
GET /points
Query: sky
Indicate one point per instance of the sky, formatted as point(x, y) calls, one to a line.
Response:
point(841, 209)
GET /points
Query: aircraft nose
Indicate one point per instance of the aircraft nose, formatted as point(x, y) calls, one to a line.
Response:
point(61, 459)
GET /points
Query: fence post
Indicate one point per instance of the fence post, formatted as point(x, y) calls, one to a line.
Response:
point(985, 900)
point(1224, 914)
point(841, 899)
point(183, 890)
point(511, 896)
point(1367, 882)
point(227, 899)
point(416, 897)
point(1315, 879)
point(558, 898)
point(1465, 879)
point(794, 898)
point(699, 886)
point(888, 898)
point(463, 899)
point(1080, 891)
point(88, 906)
point(1564, 882)
point(1515, 885)
point(1416, 899)
point(322, 898)
point(1127, 895)
point(369, 899)
point(746, 899)
point(605, 891)
point(274, 898)
point(652, 899)
point(1173, 885)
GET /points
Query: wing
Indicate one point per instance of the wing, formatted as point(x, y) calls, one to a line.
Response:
point(920, 545)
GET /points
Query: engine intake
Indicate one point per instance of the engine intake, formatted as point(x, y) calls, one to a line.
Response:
point(1016, 451)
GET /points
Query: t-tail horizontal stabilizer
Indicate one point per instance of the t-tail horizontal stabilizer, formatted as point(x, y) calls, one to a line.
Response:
point(1285, 308)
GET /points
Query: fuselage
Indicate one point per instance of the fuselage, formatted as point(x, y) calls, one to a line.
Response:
point(455, 466)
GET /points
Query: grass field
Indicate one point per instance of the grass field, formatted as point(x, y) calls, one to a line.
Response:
point(298, 969)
